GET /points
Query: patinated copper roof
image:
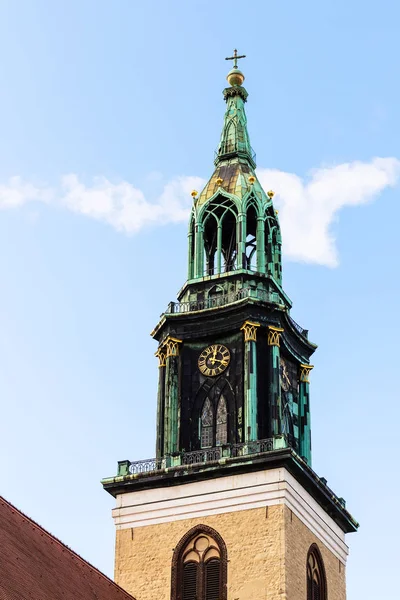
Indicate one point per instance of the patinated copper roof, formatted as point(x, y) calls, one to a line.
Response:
point(34, 565)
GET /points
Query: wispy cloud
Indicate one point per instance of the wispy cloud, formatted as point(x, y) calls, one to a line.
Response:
point(307, 208)
point(16, 192)
point(125, 207)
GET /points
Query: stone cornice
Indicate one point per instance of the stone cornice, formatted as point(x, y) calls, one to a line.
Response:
point(287, 458)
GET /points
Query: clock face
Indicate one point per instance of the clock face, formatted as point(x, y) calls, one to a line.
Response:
point(214, 360)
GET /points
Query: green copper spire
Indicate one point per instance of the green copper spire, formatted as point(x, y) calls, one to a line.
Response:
point(234, 228)
point(235, 139)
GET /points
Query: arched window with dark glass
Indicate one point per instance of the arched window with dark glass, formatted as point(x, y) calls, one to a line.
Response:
point(316, 578)
point(251, 238)
point(219, 223)
point(192, 245)
point(207, 425)
point(199, 566)
point(276, 255)
point(221, 434)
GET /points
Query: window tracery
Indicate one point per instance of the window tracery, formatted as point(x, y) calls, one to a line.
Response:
point(316, 579)
point(221, 436)
point(199, 566)
point(207, 424)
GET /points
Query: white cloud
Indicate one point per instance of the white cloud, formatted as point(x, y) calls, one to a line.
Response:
point(16, 193)
point(307, 208)
point(125, 207)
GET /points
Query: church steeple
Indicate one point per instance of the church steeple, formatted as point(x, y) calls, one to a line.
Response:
point(234, 227)
point(234, 289)
point(233, 441)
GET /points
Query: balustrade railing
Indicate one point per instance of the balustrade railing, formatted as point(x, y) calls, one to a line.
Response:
point(145, 466)
point(222, 300)
point(201, 456)
point(256, 447)
point(205, 455)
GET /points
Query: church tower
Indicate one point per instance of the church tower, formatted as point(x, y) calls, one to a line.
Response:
point(230, 508)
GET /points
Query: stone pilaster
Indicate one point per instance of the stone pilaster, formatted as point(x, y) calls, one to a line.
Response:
point(171, 411)
point(305, 424)
point(250, 381)
point(274, 335)
point(161, 355)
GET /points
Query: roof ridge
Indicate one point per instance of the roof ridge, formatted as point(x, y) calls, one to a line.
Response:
point(54, 538)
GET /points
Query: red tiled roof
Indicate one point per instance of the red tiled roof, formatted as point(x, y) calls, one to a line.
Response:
point(34, 565)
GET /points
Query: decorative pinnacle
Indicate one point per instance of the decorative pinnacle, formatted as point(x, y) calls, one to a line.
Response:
point(270, 194)
point(194, 193)
point(235, 77)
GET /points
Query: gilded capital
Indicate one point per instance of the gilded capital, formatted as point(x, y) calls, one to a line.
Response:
point(274, 335)
point(171, 346)
point(161, 355)
point(305, 372)
point(250, 331)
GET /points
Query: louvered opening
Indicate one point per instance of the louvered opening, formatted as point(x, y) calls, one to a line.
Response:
point(309, 584)
point(190, 581)
point(212, 579)
point(316, 591)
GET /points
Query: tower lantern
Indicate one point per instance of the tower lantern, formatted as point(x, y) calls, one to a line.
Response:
point(230, 508)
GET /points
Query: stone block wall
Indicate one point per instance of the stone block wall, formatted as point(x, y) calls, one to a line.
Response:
point(267, 553)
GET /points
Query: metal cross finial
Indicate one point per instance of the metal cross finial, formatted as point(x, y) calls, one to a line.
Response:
point(235, 58)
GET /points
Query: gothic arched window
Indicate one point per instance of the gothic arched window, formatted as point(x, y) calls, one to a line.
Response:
point(207, 425)
point(251, 238)
point(276, 255)
point(192, 246)
point(316, 579)
point(219, 223)
point(221, 435)
point(199, 566)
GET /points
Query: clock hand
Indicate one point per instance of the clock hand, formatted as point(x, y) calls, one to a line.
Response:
point(213, 359)
point(222, 361)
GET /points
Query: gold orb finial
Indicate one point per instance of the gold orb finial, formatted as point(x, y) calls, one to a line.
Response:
point(270, 194)
point(252, 179)
point(219, 181)
point(235, 77)
point(194, 193)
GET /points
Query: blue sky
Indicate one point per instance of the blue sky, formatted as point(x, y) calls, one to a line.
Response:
point(110, 113)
